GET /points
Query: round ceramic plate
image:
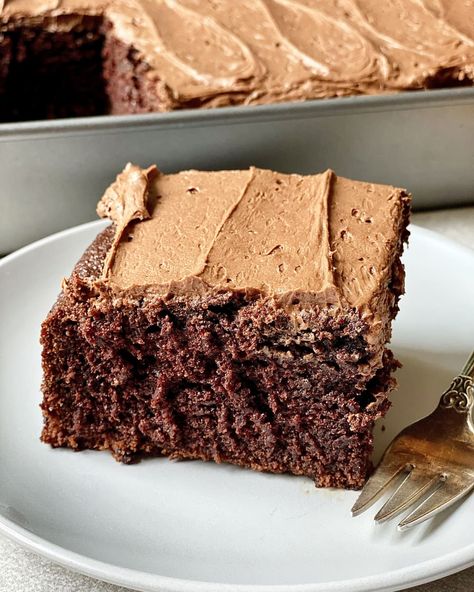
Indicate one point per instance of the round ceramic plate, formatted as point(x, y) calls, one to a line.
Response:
point(193, 526)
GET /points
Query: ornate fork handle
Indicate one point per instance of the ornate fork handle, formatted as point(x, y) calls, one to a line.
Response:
point(460, 394)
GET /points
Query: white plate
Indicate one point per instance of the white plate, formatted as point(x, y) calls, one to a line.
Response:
point(166, 526)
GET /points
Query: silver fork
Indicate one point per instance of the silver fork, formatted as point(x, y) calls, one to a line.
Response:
point(430, 462)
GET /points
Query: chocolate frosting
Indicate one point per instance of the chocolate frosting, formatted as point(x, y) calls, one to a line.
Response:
point(316, 239)
point(218, 52)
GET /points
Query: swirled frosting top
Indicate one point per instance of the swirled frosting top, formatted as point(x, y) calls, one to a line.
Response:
point(316, 238)
point(219, 52)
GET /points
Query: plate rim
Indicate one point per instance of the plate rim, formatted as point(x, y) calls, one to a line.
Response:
point(397, 579)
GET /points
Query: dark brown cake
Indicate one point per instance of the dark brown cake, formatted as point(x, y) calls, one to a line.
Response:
point(82, 57)
point(234, 316)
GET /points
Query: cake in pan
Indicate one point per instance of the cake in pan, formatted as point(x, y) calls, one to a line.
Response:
point(233, 316)
point(61, 58)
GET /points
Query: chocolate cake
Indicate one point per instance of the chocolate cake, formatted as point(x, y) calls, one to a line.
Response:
point(82, 57)
point(233, 316)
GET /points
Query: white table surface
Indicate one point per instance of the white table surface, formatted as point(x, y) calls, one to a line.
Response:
point(22, 571)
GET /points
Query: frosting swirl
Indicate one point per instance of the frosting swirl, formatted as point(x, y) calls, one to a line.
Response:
point(295, 238)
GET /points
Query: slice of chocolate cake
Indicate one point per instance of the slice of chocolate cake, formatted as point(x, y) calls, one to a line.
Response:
point(234, 316)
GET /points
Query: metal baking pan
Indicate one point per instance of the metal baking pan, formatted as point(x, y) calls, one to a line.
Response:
point(52, 173)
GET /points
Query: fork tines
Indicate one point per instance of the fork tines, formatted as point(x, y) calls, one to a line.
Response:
point(430, 464)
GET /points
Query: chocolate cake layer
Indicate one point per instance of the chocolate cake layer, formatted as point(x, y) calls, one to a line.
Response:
point(235, 316)
point(203, 53)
